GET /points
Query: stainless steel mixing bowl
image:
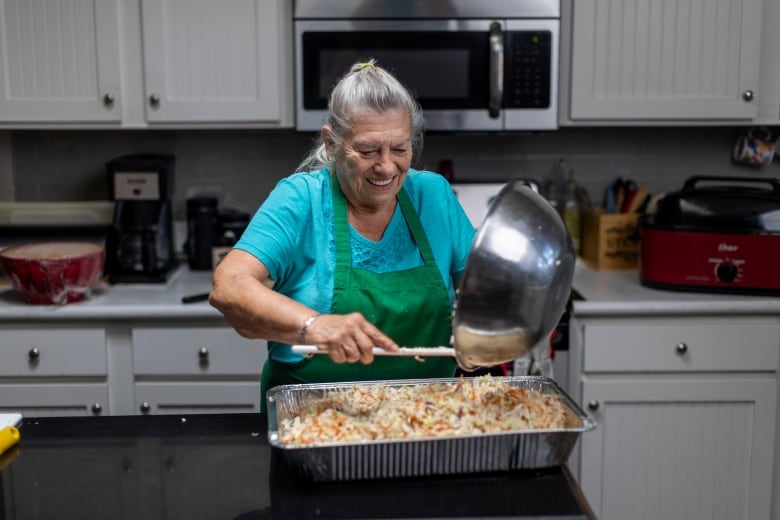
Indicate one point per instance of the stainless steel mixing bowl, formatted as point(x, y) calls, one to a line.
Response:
point(517, 280)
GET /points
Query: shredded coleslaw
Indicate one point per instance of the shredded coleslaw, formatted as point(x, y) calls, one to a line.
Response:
point(374, 412)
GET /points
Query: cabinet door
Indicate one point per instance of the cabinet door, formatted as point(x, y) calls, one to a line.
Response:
point(671, 60)
point(212, 60)
point(673, 448)
point(54, 399)
point(59, 61)
point(197, 397)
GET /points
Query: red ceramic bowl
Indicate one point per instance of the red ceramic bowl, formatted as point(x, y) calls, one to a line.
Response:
point(54, 272)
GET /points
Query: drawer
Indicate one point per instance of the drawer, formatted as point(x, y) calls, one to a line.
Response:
point(53, 352)
point(680, 346)
point(54, 399)
point(215, 351)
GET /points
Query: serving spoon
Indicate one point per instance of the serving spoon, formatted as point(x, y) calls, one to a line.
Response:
point(440, 351)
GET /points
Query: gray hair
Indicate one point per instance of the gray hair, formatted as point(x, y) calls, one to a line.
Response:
point(366, 87)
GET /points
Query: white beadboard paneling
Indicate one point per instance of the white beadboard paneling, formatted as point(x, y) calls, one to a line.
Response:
point(58, 60)
point(695, 454)
point(210, 63)
point(693, 448)
point(669, 59)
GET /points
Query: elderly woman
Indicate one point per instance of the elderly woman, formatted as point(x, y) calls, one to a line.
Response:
point(356, 250)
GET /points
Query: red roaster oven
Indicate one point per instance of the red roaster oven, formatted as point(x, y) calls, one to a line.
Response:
point(717, 234)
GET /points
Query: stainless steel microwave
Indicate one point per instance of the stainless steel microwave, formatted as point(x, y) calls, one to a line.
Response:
point(473, 65)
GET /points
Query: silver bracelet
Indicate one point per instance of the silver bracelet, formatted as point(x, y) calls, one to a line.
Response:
point(306, 325)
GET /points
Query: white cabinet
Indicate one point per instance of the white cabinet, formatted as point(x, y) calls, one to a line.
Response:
point(144, 63)
point(212, 60)
point(686, 410)
point(53, 371)
point(196, 370)
point(677, 60)
point(59, 61)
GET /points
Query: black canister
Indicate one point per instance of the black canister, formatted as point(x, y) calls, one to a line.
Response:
point(202, 231)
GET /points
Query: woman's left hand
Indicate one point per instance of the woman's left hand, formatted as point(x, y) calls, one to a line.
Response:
point(348, 337)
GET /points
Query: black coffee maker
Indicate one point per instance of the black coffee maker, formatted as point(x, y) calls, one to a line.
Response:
point(139, 246)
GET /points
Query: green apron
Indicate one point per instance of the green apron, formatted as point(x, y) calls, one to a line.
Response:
point(410, 306)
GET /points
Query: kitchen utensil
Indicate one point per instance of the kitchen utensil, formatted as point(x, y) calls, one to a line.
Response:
point(515, 287)
point(54, 272)
point(517, 280)
point(755, 148)
point(722, 232)
point(441, 351)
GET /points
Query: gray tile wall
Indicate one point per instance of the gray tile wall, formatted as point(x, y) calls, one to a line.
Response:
point(242, 166)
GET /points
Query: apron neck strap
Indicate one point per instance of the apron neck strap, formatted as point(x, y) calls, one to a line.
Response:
point(341, 224)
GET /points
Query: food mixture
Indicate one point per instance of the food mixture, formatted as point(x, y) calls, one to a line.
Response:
point(375, 412)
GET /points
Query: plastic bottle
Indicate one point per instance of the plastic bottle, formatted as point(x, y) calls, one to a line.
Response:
point(554, 185)
point(572, 211)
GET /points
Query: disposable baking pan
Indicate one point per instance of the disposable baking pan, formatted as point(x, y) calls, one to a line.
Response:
point(372, 459)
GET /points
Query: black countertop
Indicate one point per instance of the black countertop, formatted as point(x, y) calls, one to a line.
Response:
point(220, 466)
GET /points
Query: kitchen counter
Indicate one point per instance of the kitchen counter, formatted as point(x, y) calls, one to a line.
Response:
point(140, 301)
point(221, 466)
point(604, 292)
point(620, 292)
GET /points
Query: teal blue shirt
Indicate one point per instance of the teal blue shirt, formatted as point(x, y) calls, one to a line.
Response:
point(292, 235)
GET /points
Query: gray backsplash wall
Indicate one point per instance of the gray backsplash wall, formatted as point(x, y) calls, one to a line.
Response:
point(242, 166)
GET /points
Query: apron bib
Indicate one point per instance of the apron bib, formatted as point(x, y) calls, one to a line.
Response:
point(411, 306)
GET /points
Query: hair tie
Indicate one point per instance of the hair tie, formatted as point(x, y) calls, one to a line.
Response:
point(366, 65)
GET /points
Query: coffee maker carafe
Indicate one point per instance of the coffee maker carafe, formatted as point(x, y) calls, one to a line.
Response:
point(139, 247)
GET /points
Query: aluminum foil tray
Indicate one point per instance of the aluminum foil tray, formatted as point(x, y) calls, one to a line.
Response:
point(501, 451)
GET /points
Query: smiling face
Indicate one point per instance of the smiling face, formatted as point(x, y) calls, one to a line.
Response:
point(372, 162)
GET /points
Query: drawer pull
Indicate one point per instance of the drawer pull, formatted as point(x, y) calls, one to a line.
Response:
point(97, 408)
point(145, 407)
point(593, 405)
point(681, 348)
point(34, 354)
point(203, 355)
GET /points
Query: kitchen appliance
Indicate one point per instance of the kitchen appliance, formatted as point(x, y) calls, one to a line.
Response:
point(139, 246)
point(490, 65)
point(717, 234)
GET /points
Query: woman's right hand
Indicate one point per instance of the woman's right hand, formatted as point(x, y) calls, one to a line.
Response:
point(348, 337)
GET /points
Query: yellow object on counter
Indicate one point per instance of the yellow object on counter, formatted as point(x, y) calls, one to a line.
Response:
point(9, 436)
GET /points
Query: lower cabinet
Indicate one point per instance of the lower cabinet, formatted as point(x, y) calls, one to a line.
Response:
point(679, 449)
point(191, 397)
point(120, 368)
point(196, 370)
point(685, 411)
point(53, 371)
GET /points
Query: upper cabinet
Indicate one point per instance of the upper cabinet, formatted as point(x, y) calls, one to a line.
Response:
point(211, 60)
point(676, 60)
point(145, 63)
point(59, 61)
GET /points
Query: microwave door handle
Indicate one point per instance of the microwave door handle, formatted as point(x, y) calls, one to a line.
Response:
point(496, 69)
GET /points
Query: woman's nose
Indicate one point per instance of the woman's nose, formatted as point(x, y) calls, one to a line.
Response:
point(384, 162)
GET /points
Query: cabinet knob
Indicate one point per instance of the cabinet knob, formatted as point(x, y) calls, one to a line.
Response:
point(748, 95)
point(108, 99)
point(681, 348)
point(34, 354)
point(145, 407)
point(593, 405)
point(97, 408)
point(154, 100)
point(203, 354)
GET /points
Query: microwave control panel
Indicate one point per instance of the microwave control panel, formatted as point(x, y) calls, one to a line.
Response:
point(528, 69)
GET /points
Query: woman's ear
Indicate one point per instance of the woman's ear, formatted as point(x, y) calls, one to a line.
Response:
point(327, 139)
